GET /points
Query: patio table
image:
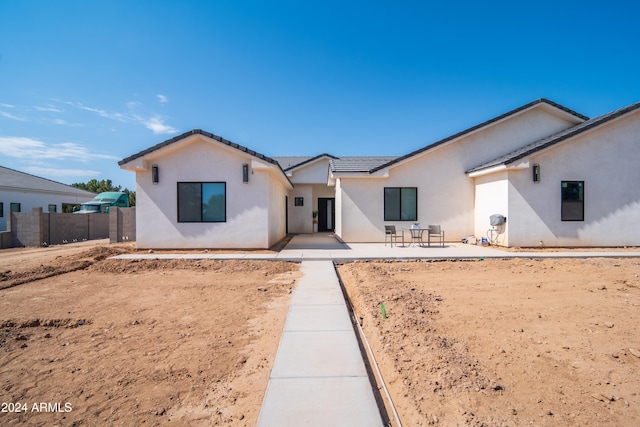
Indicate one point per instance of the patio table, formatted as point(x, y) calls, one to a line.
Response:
point(416, 236)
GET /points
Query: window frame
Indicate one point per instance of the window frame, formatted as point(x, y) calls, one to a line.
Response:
point(52, 208)
point(298, 201)
point(387, 215)
point(202, 205)
point(569, 215)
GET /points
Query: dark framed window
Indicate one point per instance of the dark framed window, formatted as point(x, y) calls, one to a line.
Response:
point(53, 208)
point(400, 204)
point(14, 207)
point(298, 201)
point(202, 202)
point(572, 208)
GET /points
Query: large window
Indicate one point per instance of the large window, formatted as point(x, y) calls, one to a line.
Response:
point(202, 202)
point(400, 204)
point(572, 201)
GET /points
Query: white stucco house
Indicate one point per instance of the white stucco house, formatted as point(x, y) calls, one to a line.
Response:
point(21, 192)
point(558, 177)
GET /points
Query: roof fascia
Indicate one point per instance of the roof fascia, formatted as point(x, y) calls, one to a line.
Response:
point(309, 161)
point(557, 108)
point(564, 136)
point(139, 160)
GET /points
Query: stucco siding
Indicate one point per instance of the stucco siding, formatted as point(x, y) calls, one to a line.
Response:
point(247, 218)
point(446, 195)
point(491, 198)
point(608, 161)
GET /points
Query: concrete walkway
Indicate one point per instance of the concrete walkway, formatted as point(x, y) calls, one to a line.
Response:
point(318, 377)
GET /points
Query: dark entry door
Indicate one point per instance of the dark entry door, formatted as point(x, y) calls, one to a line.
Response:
point(326, 214)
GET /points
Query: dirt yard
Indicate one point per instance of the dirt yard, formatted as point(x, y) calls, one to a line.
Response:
point(90, 341)
point(505, 343)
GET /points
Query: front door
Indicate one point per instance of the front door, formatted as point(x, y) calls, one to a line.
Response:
point(326, 214)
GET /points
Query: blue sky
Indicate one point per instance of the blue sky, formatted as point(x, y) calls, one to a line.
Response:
point(84, 84)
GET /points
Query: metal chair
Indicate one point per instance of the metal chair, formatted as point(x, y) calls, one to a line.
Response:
point(391, 234)
point(438, 232)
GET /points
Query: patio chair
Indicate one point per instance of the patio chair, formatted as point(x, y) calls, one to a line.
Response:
point(391, 234)
point(438, 232)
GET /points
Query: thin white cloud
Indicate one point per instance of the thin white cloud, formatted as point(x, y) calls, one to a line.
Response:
point(40, 171)
point(11, 116)
point(157, 126)
point(7, 106)
point(28, 148)
point(163, 99)
point(49, 108)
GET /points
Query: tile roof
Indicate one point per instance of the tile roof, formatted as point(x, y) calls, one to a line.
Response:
point(359, 163)
point(556, 138)
point(291, 162)
point(13, 179)
point(480, 126)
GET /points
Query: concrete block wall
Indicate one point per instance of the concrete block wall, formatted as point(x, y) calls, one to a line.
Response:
point(122, 225)
point(37, 227)
point(27, 228)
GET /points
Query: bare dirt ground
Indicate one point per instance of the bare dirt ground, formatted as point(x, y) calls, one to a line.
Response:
point(92, 341)
point(517, 342)
point(89, 341)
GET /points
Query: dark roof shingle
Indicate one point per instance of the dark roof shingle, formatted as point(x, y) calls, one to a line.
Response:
point(556, 138)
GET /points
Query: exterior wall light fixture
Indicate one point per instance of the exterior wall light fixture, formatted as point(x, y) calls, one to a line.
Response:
point(536, 173)
point(245, 173)
point(155, 174)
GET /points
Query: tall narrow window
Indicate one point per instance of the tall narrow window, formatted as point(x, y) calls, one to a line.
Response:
point(400, 204)
point(202, 202)
point(572, 208)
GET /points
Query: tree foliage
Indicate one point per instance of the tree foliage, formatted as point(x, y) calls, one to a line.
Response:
point(104, 185)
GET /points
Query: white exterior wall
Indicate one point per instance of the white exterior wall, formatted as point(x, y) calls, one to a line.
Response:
point(446, 196)
point(310, 182)
point(248, 221)
point(277, 212)
point(492, 196)
point(30, 199)
point(608, 161)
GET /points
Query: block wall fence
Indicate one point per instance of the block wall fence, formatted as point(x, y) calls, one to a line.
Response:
point(37, 228)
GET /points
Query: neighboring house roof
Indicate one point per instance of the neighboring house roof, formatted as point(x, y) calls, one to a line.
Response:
point(20, 181)
point(556, 138)
point(359, 164)
point(480, 126)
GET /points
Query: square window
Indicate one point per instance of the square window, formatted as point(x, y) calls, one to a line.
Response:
point(52, 208)
point(572, 207)
point(202, 202)
point(298, 201)
point(14, 207)
point(400, 204)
